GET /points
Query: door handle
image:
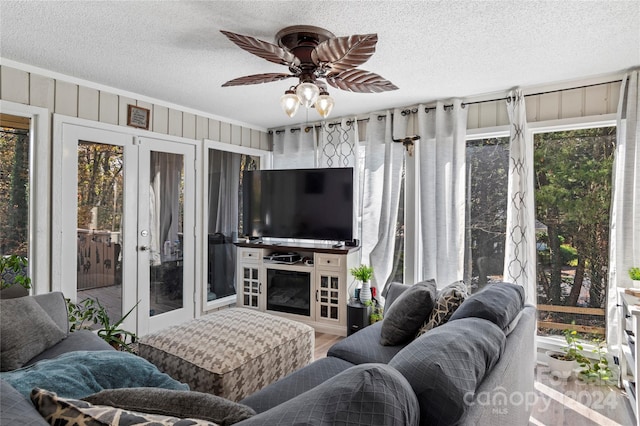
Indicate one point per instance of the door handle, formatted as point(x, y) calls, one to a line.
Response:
point(260, 288)
point(316, 295)
point(144, 248)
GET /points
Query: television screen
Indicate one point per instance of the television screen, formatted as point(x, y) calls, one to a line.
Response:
point(312, 204)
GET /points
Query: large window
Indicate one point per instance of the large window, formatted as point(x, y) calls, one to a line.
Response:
point(14, 185)
point(573, 199)
point(487, 173)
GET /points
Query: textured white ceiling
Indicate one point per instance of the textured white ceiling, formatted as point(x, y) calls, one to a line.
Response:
point(431, 50)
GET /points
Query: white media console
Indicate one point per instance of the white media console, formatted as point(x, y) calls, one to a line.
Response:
point(314, 290)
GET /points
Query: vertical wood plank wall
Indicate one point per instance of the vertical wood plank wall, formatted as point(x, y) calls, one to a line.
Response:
point(70, 99)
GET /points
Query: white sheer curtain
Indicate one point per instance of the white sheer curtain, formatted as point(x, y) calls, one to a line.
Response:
point(520, 245)
point(440, 183)
point(624, 240)
point(381, 182)
point(293, 148)
point(224, 180)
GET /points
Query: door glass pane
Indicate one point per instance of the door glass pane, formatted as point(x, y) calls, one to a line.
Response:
point(14, 187)
point(225, 217)
point(166, 219)
point(99, 233)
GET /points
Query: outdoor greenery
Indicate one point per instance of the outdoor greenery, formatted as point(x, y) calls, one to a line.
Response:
point(634, 273)
point(573, 199)
point(15, 268)
point(14, 191)
point(89, 312)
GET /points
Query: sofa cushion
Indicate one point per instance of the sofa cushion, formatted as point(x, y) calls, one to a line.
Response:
point(66, 411)
point(367, 394)
point(364, 347)
point(407, 313)
point(449, 299)
point(296, 383)
point(445, 366)
point(499, 303)
point(82, 373)
point(15, 409)
point(174, 403)
point(26, 331)
point(393, 292)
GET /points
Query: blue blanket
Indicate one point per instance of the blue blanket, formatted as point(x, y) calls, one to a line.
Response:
point(82, 373)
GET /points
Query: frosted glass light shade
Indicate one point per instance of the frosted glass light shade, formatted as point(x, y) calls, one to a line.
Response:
point(290, 103)
point(324, 104)
point(308, 93)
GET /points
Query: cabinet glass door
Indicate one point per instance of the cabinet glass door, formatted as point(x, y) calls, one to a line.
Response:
point(329, 296)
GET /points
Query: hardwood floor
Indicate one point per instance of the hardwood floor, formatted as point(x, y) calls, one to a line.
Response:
point(567, 403)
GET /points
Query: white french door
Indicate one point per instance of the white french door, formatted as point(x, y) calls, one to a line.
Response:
point(123, 215)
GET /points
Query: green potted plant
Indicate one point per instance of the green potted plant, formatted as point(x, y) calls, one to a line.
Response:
point(563, 363)
point(14, 280)
point(597, 371)
point(89, 312)
point(363, 273)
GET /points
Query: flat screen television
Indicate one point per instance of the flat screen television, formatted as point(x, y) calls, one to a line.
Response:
point(315, 204)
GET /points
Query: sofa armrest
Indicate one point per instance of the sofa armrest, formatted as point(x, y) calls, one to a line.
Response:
point(15, 409)
point(56, 307)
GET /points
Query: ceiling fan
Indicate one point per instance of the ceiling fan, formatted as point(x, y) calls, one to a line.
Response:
point(313, 53)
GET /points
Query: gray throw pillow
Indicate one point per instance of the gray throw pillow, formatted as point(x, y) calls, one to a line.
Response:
point(449, 299)
point(26, 331)
point(407, 313)
point(499, 303)
point(174, 403)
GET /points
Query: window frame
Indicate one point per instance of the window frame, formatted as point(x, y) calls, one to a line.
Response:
point(39, 228)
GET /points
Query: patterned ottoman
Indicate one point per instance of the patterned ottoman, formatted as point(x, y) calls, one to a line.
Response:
point(230, 353)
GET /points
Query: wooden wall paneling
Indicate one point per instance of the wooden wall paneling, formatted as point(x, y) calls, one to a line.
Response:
point(614, 97)
point(549, 106)
point(202, 128)
point(160, 119)
point(14, 85)
point(175, 122)
point(123, 109)
point(531, 105)
point(488, 115)
point(88, 103)
point(266, 141)
point(473, 116)
point(66, 102)
point(108, 112)
point(225, 132)
point(42, 91)
point(255, 138)
point(572, 103)
point(596, 100)
point(214, 130)
point(188, 125)
point(502, 116)
point(245, 138)
point(236, 134)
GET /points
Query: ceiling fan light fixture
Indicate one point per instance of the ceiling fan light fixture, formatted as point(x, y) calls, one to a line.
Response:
point(290, 102)
point(308, 93)
point(324, 104)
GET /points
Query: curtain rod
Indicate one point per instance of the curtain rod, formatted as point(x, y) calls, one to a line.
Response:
point(414, 110)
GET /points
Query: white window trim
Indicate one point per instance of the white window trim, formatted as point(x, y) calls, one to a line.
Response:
point(40, 190)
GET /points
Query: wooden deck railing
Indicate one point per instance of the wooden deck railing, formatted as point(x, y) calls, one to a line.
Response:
point(572, 310)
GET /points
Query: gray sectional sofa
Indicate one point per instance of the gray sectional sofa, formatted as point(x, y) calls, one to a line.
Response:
point(475, 369)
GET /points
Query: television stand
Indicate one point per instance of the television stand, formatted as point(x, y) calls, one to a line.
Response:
point(314, 290)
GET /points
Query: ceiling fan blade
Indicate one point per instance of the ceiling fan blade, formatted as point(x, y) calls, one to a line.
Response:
point(361, 81)
point(257, 79)
point(345, 53)
point(263, 49)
